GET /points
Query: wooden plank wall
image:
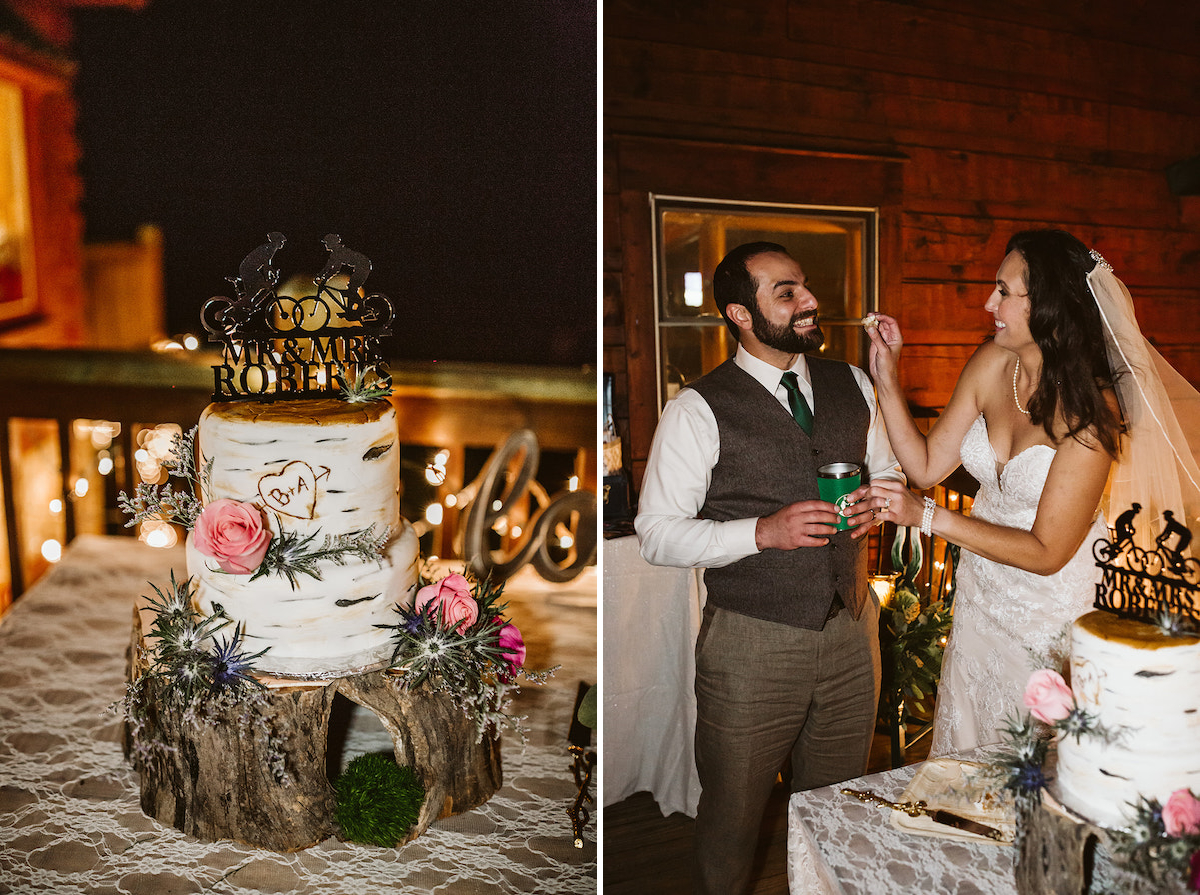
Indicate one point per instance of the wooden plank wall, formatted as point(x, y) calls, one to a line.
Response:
point(1022, 114)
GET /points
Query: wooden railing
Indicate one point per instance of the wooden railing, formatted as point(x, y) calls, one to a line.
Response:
point(56, 404)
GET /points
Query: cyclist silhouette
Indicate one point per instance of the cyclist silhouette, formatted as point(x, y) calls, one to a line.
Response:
point(253, 284)
point(1183, 536)
point(1125, 527)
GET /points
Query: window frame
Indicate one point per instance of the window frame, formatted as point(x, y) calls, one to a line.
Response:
point(869, 216)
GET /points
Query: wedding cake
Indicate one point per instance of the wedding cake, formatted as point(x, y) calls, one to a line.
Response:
point(321, 473)
point(1143, 688)
point(296, 533)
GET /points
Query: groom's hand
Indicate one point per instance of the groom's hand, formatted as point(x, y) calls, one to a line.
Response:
point(804, 524)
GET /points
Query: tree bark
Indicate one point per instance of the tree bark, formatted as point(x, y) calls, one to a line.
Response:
point(255, 771)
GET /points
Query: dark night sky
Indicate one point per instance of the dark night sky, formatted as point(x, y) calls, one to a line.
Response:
point(454, 143)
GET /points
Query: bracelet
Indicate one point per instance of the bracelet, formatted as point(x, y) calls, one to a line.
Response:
point(927, 517)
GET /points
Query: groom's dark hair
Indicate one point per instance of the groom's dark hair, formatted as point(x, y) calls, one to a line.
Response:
point(732, 283)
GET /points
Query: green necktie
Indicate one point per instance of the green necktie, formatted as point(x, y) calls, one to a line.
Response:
point(800, 412)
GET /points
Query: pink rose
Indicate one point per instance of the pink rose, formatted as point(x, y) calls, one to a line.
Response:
point(1047, 696)
point(452, 598)
point(513, 644)
point(234, 534)
point(1181, 814)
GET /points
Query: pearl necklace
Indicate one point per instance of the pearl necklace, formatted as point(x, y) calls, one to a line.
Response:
point(1017, 400)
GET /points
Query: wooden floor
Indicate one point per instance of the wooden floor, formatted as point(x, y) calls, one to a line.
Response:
point(646, 853)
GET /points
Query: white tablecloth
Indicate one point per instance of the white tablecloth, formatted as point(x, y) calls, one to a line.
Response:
point(838, 845)
point(651, 619)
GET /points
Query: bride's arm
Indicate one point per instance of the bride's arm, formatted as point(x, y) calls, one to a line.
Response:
point(925, 459)
point(1065, 512)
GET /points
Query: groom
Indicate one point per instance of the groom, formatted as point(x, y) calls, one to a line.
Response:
point(787, 659)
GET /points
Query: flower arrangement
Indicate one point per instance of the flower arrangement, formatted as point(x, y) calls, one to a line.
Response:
point(912, 635)
point(1162, 840)
point(237, 534)
point(192, 671)
point(456, 640)
point(1052, 709)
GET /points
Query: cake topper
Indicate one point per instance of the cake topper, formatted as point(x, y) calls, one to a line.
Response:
point(1160, 584)
point(280, 347)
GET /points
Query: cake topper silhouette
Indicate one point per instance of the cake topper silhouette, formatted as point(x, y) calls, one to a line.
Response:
point(1148, 583)
point(282, 347)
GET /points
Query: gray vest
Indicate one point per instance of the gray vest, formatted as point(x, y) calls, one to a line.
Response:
point(767, 462)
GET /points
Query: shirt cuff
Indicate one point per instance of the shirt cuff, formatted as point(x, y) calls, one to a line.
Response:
point(738, 535)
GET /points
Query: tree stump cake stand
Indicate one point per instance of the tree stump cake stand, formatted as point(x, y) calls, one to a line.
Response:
point(255, 771)
point(1061, 855)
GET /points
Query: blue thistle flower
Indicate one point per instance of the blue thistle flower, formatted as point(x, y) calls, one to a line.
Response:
point(1027, 778)
point(230, 667)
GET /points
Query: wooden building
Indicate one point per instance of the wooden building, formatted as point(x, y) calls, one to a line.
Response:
point(954, 122)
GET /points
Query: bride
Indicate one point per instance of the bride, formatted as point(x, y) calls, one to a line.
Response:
point(1035, 418)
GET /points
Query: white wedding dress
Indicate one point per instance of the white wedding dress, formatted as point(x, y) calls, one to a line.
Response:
point(1007, 621)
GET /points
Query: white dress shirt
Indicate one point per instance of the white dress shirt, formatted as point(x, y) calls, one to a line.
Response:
point(685, 449)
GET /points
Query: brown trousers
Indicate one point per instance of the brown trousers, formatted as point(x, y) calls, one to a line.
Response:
point(766, 692)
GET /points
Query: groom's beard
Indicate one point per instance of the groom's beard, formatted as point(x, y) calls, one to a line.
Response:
point(784, 337)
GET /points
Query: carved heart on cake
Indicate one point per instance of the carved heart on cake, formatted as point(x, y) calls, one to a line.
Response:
point(293, 490)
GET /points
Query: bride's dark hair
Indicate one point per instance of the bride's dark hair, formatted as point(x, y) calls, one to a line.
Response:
point(1065, 323)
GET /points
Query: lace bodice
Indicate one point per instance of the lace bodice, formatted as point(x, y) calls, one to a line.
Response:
point(1008, 497)
point(1006, 620)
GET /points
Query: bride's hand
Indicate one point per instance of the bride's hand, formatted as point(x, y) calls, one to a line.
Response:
point(886, 343)
point(892, 502)
point(879, 502)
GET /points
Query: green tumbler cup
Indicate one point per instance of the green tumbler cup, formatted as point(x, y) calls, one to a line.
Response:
point(835, 481)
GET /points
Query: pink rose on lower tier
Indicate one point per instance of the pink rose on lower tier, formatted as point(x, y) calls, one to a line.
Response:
point(1047, 696)
point(233, 533)
point(451, 597)
point(1181, 814)
point(513, 644)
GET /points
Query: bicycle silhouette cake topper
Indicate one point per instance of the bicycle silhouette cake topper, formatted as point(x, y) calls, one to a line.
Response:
point(281, 347)
point(1160, 584)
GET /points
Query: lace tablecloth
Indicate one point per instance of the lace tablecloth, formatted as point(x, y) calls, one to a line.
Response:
point(651, 619)
point(69, 815)
point(838, 845)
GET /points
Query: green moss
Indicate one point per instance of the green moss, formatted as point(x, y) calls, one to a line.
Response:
point(378, 802)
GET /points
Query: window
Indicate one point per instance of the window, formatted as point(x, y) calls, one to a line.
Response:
point(835, 246)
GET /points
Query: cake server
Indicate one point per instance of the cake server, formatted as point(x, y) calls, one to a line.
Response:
point(937, 815)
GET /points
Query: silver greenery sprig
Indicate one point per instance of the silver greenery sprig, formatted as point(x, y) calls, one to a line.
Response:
point(151, 502)
point(1175, 624)
point(359, 388)
point(292, 555)
point(1080, 723)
